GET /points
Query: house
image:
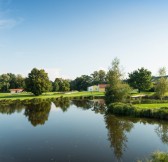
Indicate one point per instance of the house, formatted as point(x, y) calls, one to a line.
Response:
point(97, 88)
point(17, 90)
point(93, 88)
point(102, 87)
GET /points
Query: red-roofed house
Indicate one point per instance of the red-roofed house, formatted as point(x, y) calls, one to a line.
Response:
point(102, 87)
point(17, 90)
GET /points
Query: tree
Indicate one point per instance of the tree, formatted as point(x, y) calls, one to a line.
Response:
point(117, 90)
point(56, 84)
point(61, 85)
point(140, 79)
point(162, 71)
point(4, 82)
point(98, 77)
point(162, 84)
point(38, 82)
point(65, 86)
point(81, 83)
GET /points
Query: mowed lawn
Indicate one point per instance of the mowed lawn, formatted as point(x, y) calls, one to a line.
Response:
point(152, 106)
point(25, 95)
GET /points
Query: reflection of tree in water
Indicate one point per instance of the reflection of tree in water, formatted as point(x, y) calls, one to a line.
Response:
point(38, 112)
point(63, 103)
point(161, 127)
point(98, 106)
point(84, 104)
point(117, 129)
point(162, 132)
point(11, 106)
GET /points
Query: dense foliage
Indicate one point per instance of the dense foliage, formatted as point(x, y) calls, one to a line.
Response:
point(61, 85)
point(162, 83)
point(140, 79)
point(157, 157)
point(38, 82)
point(161, 87)
point(81, 83)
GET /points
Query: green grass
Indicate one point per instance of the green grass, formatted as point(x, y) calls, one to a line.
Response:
point(152, 106)
point(25, 95)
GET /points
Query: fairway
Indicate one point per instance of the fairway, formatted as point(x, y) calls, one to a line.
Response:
point(22, 96)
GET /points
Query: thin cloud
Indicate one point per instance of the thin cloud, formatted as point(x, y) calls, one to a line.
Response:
point(10, 23)
point(6, 18)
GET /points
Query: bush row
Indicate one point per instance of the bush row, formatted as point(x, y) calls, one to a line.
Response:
point(130, 110)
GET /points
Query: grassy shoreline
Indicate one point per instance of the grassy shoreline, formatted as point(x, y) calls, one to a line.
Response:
point(156, 110)
point(125, 109)
point(23, 96)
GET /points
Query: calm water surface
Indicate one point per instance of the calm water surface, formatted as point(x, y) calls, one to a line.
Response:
point(75, 131)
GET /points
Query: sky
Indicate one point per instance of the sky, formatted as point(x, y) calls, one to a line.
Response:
point(69, 38)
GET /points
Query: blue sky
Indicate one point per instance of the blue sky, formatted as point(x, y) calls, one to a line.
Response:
point(69, 38)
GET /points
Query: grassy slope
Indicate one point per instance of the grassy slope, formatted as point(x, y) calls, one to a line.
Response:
point(23, 96)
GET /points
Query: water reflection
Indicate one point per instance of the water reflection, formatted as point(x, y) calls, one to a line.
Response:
point(63, 103)
point(10, 107)
point(98, 106)
point(117, 129)
point(83, 104)
point(38, 113)
point(162, 132)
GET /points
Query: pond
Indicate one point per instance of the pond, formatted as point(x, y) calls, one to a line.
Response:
point(75, 131)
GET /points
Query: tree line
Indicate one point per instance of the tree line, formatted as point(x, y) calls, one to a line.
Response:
point(38, 81)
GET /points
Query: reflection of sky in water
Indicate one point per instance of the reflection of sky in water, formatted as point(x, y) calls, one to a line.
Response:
point(75, 134)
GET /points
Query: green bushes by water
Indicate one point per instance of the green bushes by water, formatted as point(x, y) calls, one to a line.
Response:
point(157, 157)
point(130, 110)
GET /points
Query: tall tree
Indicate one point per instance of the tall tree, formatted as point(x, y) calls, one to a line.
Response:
point(38, 82)
point(140, 79)
point(117, 90)
point(162, 71)
point(162, 84)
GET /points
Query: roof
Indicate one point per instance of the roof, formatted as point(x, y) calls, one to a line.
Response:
point(16, 89)
point(103, 85)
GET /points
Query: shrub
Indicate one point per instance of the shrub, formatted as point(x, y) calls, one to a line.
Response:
point(130, 110)
point(157, 157)
point(121, 108)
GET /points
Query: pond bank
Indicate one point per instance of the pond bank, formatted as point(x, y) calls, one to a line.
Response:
point(135, 111)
